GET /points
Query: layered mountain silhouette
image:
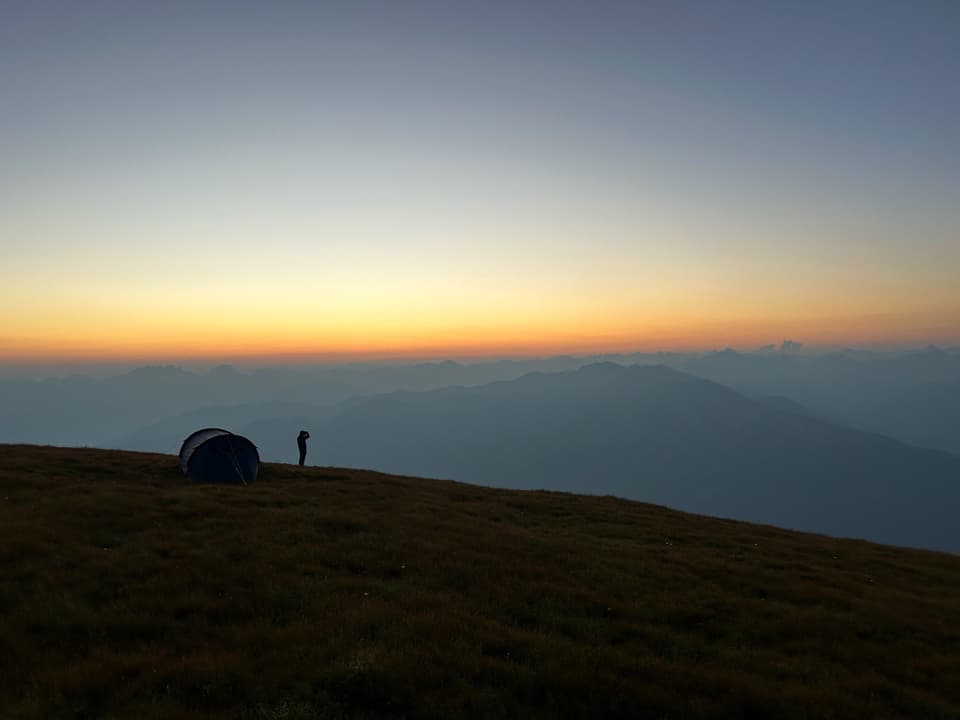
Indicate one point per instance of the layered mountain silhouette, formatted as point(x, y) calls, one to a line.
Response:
point(122, 410)
point(650, 433)
point(913, 396)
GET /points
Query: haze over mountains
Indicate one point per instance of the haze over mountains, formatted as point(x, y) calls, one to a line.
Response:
point(82, 410)
point(913, 396)
point(773, 436)
point(655, 434)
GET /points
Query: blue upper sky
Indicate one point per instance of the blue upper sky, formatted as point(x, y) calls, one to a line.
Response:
point(748, 166)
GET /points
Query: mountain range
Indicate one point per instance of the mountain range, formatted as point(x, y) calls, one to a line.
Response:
point(651, 433)
point(822, 442)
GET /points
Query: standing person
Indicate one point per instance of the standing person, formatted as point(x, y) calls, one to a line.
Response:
point(302, 444)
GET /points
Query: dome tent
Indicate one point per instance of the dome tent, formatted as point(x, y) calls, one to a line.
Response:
point(213, 455)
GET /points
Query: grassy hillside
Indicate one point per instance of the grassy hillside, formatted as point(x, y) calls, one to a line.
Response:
point(322, 593)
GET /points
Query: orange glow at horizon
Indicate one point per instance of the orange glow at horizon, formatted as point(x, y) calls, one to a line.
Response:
point(533, 333)
point(430, 299)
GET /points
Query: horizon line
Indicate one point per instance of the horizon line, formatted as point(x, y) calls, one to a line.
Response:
point(414, 356)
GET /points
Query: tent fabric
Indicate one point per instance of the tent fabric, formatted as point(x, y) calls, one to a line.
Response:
point(195, 440)
point(215, 455)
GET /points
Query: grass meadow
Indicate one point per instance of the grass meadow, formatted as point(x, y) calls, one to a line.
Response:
point(128, 592)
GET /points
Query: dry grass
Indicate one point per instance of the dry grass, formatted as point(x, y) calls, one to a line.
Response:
point(324, 593)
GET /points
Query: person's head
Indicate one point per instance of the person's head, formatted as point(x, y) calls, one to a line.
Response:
point(302, 433)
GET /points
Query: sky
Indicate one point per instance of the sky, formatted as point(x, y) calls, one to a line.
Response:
point(300, 179)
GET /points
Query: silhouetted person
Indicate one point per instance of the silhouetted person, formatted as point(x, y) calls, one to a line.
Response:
point(302, 444)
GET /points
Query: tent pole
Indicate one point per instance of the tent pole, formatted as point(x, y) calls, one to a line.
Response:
point(236, 465)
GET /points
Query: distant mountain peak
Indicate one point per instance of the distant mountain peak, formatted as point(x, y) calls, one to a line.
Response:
point(598, 368)
point(156, 371)
point(725, 354)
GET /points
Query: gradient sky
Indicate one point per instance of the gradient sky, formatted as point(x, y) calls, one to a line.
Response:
point(227, 179)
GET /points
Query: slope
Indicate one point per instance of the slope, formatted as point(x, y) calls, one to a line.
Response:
point(126, 592)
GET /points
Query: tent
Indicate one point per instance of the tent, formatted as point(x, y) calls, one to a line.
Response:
point(213, 455)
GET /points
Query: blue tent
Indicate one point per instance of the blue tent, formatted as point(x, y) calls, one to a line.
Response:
point(213, 455)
